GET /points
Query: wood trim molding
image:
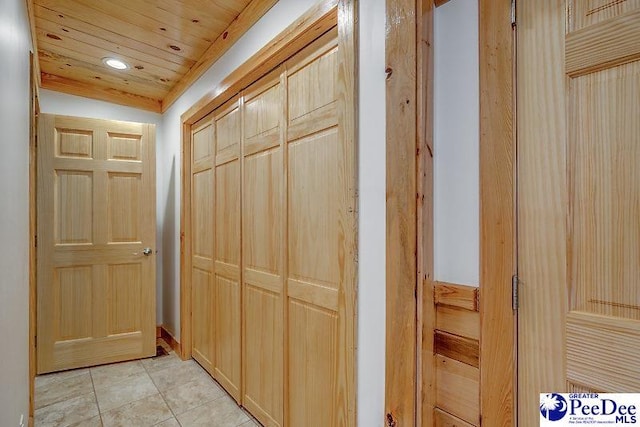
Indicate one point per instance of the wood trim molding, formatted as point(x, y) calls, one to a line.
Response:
point(34, 43)
point(33, 228)
point(401, 213)
point(347, 95)
point(311, 25)
point(185, 250)
point(247, 18)
point(497, 207)
point(169, 339)
point(87, 90)
point(426, 314)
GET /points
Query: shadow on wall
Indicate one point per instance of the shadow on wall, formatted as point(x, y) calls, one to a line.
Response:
point(170, 296)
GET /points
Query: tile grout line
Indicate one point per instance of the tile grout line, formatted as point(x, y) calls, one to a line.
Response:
point(95, 396)
point(161, 396)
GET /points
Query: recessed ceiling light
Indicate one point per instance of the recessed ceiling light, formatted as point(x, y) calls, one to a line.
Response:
point(115, 63)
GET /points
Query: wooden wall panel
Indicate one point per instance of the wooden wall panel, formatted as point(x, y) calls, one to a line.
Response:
point(458, 389)
point(457, 348)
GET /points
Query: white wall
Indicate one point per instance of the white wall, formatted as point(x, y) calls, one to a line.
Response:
point(68, 105)
point(15, 44)
point(372, 215)
point(456, 143)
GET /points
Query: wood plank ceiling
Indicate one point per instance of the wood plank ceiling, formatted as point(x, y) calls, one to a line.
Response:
point(167, 45)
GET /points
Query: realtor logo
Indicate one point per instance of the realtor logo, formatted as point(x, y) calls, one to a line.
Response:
point(569, 409)
point(553, 407)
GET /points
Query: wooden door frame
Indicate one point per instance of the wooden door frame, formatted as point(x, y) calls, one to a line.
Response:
point(409, 248)
point(33, 215)
point(323, 16)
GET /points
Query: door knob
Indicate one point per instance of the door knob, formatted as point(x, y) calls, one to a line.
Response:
point(147, 251)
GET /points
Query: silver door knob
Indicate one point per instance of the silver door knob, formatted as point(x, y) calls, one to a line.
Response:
point(147, 251)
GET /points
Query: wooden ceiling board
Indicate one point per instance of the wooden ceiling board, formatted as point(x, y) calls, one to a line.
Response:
point(88, 72)
point(69, 50)
point(102, 79)
point(181, 39)
point(130, 30)
point(195, 19)
point(109, 94)
point(71, 37)
point(167, 44)
point(89, 33)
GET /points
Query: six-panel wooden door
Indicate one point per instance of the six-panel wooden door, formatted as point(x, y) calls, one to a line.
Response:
point(281, 212)
point(578, 199)
point(96, 242)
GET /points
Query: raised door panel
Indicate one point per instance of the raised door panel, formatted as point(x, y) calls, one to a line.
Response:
point(312, 365)
point(263, 250)
point(227, 335)
point(202, 211)
point(73, 287)
point(124, 207)
point(73, 211)
point(96, 213)
point(227, 213)
point(202, 317)
point(604, 208)
point(315, 197)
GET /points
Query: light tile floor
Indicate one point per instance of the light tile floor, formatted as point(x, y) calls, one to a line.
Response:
point(162, 391)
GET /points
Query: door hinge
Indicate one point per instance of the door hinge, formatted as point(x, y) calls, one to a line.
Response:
point(515, 292)
point(35, 241)
point(513, 13)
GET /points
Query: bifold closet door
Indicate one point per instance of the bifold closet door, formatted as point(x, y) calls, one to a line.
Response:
point(202, 289)
point(263, 249)
point(226, 306)
point(317, 201)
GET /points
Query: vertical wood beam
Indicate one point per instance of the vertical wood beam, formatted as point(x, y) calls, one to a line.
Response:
point(426, 314)
point(497, 207)
point(401, 215)
point(347, 87)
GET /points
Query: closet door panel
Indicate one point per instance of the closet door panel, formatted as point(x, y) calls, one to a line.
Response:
point(314, 235)
point(263, 250)
point(202, 292)
point(227, 295)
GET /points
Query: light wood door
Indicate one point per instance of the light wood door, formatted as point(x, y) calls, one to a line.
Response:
point(579, 198)
point(317, 204)
point(96, 215)
point(263, 249)
point(227, 245)
point(202, 220)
